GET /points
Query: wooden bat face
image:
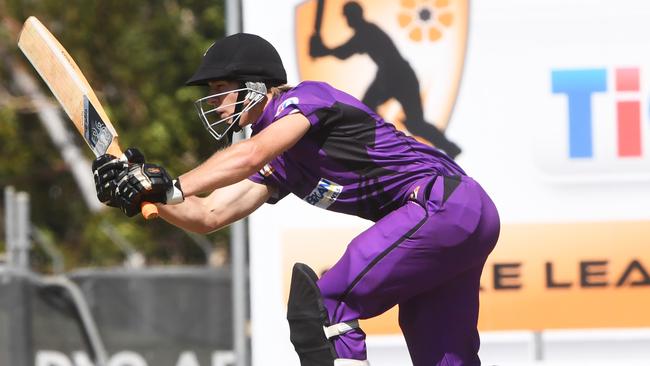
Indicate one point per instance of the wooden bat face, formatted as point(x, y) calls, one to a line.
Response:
point(68, 84)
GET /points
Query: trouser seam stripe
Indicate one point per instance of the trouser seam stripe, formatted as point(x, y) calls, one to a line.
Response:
point(380, 257)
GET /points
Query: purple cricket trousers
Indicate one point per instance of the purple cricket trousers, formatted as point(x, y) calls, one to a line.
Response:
point(427, 257)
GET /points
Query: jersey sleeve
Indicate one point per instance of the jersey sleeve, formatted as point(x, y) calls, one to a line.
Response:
point(307, 99)
point(269, 176)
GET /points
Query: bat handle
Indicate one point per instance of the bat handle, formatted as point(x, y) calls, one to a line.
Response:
point(149, 210)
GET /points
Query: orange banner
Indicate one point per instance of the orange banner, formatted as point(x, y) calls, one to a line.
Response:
point(540, 276)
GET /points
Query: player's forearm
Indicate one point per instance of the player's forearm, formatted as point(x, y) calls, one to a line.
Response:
point(192, 215)
point(222, 169)
point(241, 160)
point(195, 215)
point(221, 208)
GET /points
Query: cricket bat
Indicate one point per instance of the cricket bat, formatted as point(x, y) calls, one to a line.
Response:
point(71, 89)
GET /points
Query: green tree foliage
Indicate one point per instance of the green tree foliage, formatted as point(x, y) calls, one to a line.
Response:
point(137, 56)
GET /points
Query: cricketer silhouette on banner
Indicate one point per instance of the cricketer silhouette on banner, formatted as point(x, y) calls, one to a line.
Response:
point(395, 77)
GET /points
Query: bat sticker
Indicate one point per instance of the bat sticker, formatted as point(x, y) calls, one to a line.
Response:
point(96, 134)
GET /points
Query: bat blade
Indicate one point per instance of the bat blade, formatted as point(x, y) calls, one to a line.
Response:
point(68, 84)
point(70, 87)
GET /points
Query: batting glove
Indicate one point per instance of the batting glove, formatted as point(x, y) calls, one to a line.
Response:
point(147, 182)
point(108, 170)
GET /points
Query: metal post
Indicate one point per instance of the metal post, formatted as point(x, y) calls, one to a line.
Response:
point(233, 17)
point(537, 346)
point(239, 291)
point(22, 243)
point(10, 224)
point(238, 242)
point(19, 319)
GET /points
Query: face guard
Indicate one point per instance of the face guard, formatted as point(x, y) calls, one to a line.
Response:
point(210, 115)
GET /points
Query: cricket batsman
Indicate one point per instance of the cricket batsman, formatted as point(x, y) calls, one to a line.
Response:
point(434, 226)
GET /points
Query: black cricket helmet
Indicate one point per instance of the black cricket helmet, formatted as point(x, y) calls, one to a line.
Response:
point(243, 57)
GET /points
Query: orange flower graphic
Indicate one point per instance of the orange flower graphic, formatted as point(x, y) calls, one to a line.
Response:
point(425, 19)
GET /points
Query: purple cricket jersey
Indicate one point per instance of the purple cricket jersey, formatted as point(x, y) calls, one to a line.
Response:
point(350, 160)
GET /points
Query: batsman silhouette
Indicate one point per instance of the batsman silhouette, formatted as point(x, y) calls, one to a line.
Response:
point(395, 77)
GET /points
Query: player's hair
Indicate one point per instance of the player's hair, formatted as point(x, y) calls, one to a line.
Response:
point(276, 91)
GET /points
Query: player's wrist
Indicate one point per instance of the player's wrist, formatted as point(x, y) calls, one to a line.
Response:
point(175, 193)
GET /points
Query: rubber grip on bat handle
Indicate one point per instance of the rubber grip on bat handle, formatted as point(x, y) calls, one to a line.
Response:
point(149, 210)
